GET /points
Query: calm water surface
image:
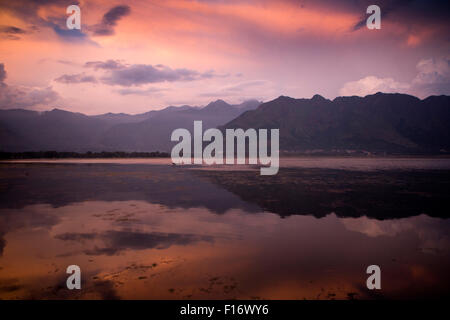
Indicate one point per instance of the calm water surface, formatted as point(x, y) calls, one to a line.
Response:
point(141, 229)
point(345, 163)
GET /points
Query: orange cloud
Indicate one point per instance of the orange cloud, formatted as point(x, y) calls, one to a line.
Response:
point(212, 17)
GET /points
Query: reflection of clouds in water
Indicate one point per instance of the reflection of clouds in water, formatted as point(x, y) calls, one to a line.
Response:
point(135, 249)
point(39, 216)
point(432, 232)
point(117, 241)
point(2, 244)
point(9, 285)
point(99, 289)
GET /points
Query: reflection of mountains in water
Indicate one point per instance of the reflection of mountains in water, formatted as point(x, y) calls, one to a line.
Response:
point(63, 184)
point(378, 194)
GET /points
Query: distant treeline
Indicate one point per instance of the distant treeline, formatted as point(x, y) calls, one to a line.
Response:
point(88, 155)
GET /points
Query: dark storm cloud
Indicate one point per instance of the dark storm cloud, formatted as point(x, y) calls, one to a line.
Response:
point(117, 241)
point(109, 20)
point(76, 78)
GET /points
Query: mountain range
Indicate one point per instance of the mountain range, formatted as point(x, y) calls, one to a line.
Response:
point(380, 123)
point(392, 123)
point(59, 130)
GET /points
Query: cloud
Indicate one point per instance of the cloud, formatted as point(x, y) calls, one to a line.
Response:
point(12, 97)
point(433, 78)
point(58, 25)
point(239, 88)
point(115, 14)
point(113, 242)
point(70, 35)
point(117, 72)
point(145, 92)
point(249, 20)
point(2, 244)
point(2, 74)
point(67, 62)
point(14, 33)
point(35, 96)
point(23, 96)
point(107, 65)
point(11, 32)
point(76, 78)
point(140, 74)
point(46, 14)
point(32, 12)
point(245, 85)
point(432, 233)
point(370, 85)
point(387, 7)
point(109, 21)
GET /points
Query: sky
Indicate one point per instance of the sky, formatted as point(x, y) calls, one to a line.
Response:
point(134, 56)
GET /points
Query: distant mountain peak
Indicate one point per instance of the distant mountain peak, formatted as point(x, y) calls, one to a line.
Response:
point(250, 104)
point(60, 112)
point(284, 99)
point(57, 110)
point(217, 105)
point(318, 97)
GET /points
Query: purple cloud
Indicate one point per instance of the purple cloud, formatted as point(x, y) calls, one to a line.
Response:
point(76, 78)
point(22, 96)
point(109, 20)
point(107, 65)
point(2, 73)
point(140, 74)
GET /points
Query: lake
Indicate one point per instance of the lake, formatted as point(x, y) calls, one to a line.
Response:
point(143, 229)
